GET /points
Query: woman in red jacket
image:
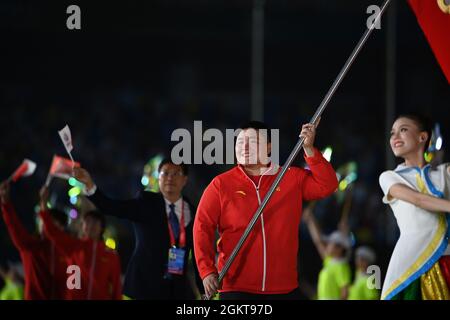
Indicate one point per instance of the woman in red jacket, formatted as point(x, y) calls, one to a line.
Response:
point(44, 266)
point(99, 267)
point(266, 266)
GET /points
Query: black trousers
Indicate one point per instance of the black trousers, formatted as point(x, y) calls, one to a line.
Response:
point(236, 295)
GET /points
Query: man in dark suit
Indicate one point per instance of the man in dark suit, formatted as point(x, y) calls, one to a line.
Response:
point(162, 224)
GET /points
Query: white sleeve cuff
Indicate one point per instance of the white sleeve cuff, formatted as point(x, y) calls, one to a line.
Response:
point(388, 200)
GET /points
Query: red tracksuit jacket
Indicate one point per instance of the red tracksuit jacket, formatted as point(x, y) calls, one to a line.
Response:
point(99, 266)
point(44, 266)
point(267, 262)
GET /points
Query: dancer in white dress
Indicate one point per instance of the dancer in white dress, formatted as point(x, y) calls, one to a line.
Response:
point(418, 195)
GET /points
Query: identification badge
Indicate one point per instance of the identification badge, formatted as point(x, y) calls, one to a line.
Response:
point(176, 261)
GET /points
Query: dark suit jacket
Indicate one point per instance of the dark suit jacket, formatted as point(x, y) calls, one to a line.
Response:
point(146, 272)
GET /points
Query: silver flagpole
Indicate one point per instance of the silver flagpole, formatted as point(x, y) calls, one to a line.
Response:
point(300, 142)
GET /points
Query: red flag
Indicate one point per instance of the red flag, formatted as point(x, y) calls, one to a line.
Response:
point(62, 167)
point(24, 170)
point(434, 19)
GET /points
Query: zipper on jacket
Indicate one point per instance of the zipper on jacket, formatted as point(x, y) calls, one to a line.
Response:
point(263, 285)
point(52, 269)
point(264, 241)
point(91, 274)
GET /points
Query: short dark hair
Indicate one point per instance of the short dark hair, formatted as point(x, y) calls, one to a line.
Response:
point(423, 122)
point(257, 125)
point(184, 167)
point(59, 216)
point(97, 215)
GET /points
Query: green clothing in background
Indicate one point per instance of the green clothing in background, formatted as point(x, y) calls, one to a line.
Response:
point(360, 291)
point(333, 277)
point(11, 291)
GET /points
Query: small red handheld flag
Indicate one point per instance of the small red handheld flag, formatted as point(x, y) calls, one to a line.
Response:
point(61, 168)
point(26, 169)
